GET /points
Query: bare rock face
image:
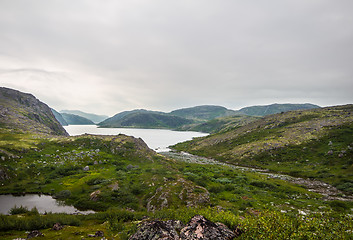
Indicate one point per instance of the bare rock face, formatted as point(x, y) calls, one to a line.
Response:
point(200, 228)
point(161, 230)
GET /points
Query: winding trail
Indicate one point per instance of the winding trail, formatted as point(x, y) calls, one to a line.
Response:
point(328, 191)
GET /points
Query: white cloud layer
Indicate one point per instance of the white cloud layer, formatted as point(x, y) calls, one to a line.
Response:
point(109, 56)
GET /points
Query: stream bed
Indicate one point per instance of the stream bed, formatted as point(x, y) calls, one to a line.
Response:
point(328, 191)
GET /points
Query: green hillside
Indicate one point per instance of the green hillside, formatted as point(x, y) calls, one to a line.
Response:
point(309, 143)
point(205, 112)
point(274, 108)
point(219, 124)
point(73, 119)
point(145, 120)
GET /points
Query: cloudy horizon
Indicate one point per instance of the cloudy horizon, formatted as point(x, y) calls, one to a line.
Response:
point(109, 57)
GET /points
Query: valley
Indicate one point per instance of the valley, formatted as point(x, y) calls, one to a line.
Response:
point(253, 177)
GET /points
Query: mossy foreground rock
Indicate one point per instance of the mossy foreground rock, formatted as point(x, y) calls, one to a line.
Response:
point(198, 228)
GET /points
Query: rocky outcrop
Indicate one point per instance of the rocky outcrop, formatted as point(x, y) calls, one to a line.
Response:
point(153, 230)
point(198, 228)
point(22, 111)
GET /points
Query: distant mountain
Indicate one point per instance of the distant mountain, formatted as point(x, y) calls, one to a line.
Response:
point(73, 119)
point(145, 119)
point(23, 112)
point(219, 124)
point(93, 117)
point(205, 112)
point(275, 108)
point(58, 117)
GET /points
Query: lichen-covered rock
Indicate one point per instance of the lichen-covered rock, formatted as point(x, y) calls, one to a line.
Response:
point(57, 227)
point(200, 228)
point(35, 233)
point(161, 230)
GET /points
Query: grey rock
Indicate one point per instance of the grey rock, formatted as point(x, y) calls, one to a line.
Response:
point(57, 227)
point(153, 230)
point(200, 228)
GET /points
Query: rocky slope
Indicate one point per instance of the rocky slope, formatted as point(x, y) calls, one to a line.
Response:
point(23, 112)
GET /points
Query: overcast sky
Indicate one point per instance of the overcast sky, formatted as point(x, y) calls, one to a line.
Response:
point(114, 55)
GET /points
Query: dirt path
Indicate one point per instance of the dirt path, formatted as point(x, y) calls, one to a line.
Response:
point(328, 191)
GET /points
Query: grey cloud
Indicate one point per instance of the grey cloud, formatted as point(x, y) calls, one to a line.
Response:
point(162, 55)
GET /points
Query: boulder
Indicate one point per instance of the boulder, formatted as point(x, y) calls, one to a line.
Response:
point(57, 227)
point(153, 230)
point(200, 228)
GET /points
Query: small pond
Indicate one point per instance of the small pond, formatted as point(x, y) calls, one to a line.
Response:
point(43, 203)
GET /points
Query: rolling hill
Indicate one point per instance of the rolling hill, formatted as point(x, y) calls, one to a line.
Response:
point(205, 112)
point(274, 108)
point(59, 117)
point(145, 119)
point(73, 119)
point(93, 117)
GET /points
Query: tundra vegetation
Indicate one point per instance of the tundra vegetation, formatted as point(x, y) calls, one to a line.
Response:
point(125, 182)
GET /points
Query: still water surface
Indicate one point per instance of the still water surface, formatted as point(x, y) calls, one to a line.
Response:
point(43, 203)
point(156, 139)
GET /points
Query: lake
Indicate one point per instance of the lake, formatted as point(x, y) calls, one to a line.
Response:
point(43, 203)
point(156, 139)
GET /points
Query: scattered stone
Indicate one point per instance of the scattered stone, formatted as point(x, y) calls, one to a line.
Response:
point(340, 155)
point(97, 234)
point(3, 158)
point(57, 227)
point(35, 233)
point(86, 168)
point(330, 152)
point(94, 196)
